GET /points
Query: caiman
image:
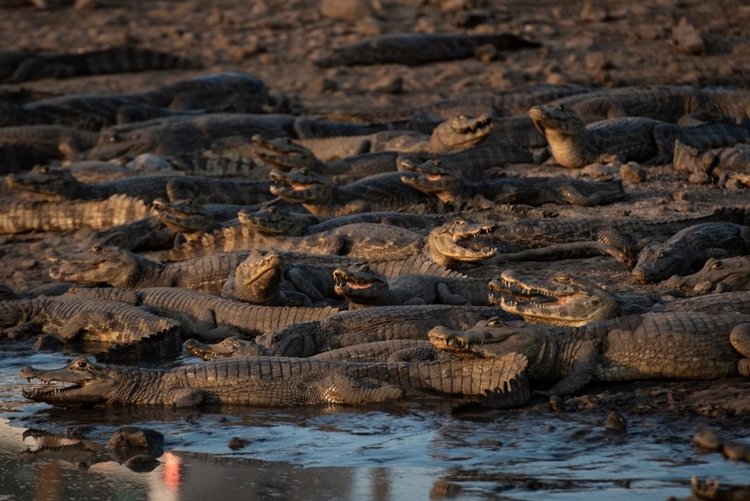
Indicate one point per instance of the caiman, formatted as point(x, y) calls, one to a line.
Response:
point(717, 275)
point(571, 301)
point(381, 192)
point(574, 144)
point(364, 288)
point(371, 324)
point(418, 48)
point(278, 381)
point(209, 317)
point(682, 345)
point(689, 249)
point(19, 216)
point(459, 133)
point(433, 178)
point(395, 350)
point(123, 330)
point(122, 268)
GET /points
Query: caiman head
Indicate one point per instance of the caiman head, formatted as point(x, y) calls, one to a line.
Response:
point(270, 221)
point(300, 186)
point(283, 154)
point(229, 347)
point(81, 384)
point(99, 265)
point(564, 300)
point(295, 340)
point(458, 241)
point(460, 132)
point(719, 275)
point(432, 178)
point(53, 184)
point(182, 216)
point(122, 140)
point(258, 277)
point(489, 338)
point(360, 284)
point(559, 119)
point(656, 262)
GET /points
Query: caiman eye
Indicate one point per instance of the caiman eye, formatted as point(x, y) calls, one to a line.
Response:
point(81, 364)
point(97, 249)
point(663, 254)
point(717, 265)
point(494, 321)
point(563, 278)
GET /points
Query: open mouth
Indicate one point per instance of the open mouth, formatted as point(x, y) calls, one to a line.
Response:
point(478, 125)
point(515, 295)
point(342, 280)
point(47, 389)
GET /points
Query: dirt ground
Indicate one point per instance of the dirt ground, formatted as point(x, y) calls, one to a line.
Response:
point(607, 43)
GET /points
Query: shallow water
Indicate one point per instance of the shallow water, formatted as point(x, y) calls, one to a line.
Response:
point(409, 450)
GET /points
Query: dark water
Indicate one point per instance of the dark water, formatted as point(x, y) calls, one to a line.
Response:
point(406, 451)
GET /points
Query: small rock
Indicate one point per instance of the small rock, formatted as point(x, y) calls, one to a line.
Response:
point(28, 264)
point(707, 439)
point(389, 85)
point(700, 178)
point(345, 10)
point(687, 39)
point(368, 27)
point(321, 85)
point(616, 422)
point(686, 196)
point(591, 13)
point(47, 343)
point(237, 443)
point(651, 32)
point(486, 53)
point(632, 173)
point(736, 451)
point(597, 61)
point(131, 436)
point(734, 185)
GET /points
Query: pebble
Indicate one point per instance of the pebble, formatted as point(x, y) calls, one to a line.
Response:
point(345, 10)
point(632, 173)
point(687, 39)
point(616, 422)
point(131, 436)
point(591, 13)
point(237, 443)
point(598, 61)
point(736, 451)
point(707, 439)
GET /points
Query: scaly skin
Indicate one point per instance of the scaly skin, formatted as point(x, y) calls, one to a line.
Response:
point(382, 192)
point(682, 345)
point(127, 331)
point(415, 49)
point(275, 381)
point(20, 216)
point(209, 317)
point(565, 300)
point(690, 248)
point(121, 268)
point(717, 275)
point(364, 288)
point(370, 324)
point(451, 188)
point(258, 280)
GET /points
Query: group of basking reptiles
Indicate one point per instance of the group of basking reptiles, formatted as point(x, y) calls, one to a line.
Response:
point(357, 256)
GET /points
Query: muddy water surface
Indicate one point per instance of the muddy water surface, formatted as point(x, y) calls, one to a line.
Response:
point(410, 450)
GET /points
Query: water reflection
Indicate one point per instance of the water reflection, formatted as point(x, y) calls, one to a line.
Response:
point(384, 452)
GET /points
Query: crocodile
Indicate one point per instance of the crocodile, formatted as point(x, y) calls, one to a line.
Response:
point(20, 216)
point(713, 164)
point(433, 178)
point(260, 279)
point(276, 277)
point(682, 345)
point(574, 144)
point(209, 317)
point(124, 330)
point(571, 301)
point(447, 245)
point(418, 48)
point(623, 237)
point(279, 381)
point(186, 135)
point(690, 248)
point(381, 192)
point(371, 324)
point(97, 62)
point(563, 300)
point(244, 92)
point(365, 288)
point(395, 350)
point(80, 111)
point(458, 133)
point(717, 275)
point(55, 141)
point(122, 268)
